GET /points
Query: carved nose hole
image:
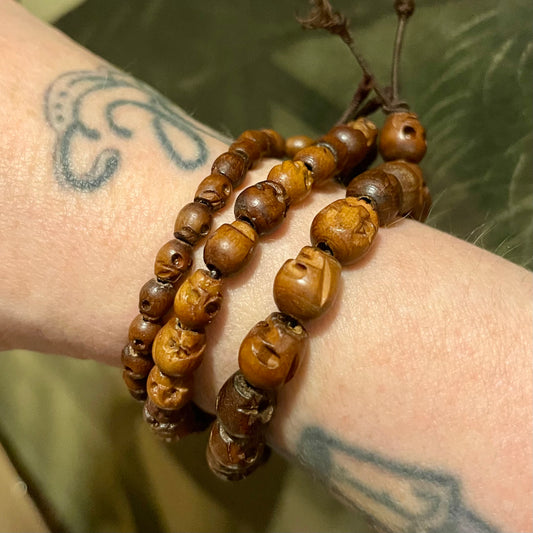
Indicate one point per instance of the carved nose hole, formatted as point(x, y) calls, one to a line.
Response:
point(269, 357)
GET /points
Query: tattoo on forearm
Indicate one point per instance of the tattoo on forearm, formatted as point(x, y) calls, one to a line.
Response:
point(85, 108)
point(399, 498)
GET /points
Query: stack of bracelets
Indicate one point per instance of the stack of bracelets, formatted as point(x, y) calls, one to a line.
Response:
point(159, 361)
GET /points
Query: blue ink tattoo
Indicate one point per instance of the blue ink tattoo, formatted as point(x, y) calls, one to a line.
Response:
point(84, 124)
point(400, 498)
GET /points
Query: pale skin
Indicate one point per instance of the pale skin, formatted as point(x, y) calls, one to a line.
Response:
point(418, 380)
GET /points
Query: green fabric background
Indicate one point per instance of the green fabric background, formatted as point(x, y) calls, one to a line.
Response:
point(467, 70)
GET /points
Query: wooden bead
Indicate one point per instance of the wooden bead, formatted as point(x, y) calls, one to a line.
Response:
point(214, 191)
point(383, 189)
point(173, 260)
point(269, 355)
point(136, 387)
point(367, 128)
point(294, 177)
point(346, 227)
point(263, 205)
point(230, 247)
point(172, 425)
point(198, 300)
point(242, 409)
point(421, 211)
point(231, 165)
point(402, 137)
point(178, 351)
point(320, 161)
point(306, 286)
point(193, 223)
point(169, 392)
point(155, 299)
point(260, 138)
point(410, 178)
point(248, 149)
point(276, 143)
point(137, 364)
point(231, 458)
point(142, 333)
point(296, 143)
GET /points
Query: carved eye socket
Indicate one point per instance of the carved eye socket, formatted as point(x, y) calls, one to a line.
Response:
point(204, 230)
point(177, 259)
point(212, 307)
point(408, 132)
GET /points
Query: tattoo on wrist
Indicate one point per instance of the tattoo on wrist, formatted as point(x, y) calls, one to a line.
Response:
point(85, 108)
point(398, 497)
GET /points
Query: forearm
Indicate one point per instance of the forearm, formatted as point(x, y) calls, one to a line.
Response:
point(420, 374)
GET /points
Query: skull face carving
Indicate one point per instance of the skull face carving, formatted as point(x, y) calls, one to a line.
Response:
point(173, 260)
point(169, 392)
point(306, 286)
point(269, 355)
point(403, 137)
point(198, 300)
point(347, 227)
point(177, 351)
point(193, 223)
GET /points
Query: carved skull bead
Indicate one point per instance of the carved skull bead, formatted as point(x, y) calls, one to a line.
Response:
point(193, 222)
point(306, 286)
point(347, 227)
point(269, 355)
point(295, 178)
point(214, 191)
point(168, 392)
point(173, 260)
point(178, 351)
point(198, 300)
point(402, 137)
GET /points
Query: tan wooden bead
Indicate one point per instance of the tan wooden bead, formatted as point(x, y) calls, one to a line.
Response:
point(320, 161)
point(198, 300)
point(242, 409)
point(411, 181)
point(276, 143)
point(367, 128)
point(155, 299)
point(231, 165)
point(230, 247)
point(136, 387)
point(248, 149)
point(346, 227)
point(263, 205)
point(296, 143)
point(142, 333)
point(178, 351)
point(231, 458)
point(214, 191)
point(169, 392)
point(137, 364)
point(305, 287)
point(269, 355)
point(193, 223)
point(294, 177)
point(383, 189)
point(402, 137)
point(173, 260)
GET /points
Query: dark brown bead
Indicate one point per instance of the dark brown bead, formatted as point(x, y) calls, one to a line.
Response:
point(136, 387)
point(142, 333)
point(306, 286)
point(320, 160)
point(350, 146)
point(173, 260)
point(260, 138)
point(294, 177)
point(175, 424)
point(242, 409)
point(231, 458)
point(193, 223)
point(409, 175)
point(263, 205)
point(137, 364)
point(296, 143)
point(276, 143)
point(383, 189)
point(230, 247)
point(169, 392)
point(402, 137)
point(178, 351)
point(231, 165)
point(214, 191)
point(367, 128)
point(270, 354)
point(198, 300)
point(155, 299)
point(345, 227)
point(248, 149)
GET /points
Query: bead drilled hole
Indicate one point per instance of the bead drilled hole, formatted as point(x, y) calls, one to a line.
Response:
point(324, 247)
